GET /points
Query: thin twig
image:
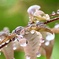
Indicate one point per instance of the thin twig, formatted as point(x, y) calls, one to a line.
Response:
point(51, 20)
point(10, 38)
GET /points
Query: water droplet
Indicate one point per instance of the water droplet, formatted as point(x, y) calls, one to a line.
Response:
point(50, 36)
point(53, 13)
point(32, 31)
point(14, 48)
point(33, 8)
point(47, 17)
point(58, 11)
point(56, 26)
point(38, 54)
point(47, 43)
point(27, 57)
point(23, 44)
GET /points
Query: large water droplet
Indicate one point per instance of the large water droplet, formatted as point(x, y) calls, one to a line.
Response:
point(50, 36)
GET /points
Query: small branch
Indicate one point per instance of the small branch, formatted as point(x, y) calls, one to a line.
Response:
point(10, 38)
point(51, 20)
point(54, 15)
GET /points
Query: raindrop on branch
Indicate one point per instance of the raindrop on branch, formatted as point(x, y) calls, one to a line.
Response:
point(53, 13)
point(58, 11)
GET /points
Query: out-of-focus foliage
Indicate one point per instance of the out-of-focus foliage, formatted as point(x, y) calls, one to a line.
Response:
point(13, 13)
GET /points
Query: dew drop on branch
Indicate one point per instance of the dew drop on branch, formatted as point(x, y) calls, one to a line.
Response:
point(53, 13)
point(50, 36)
point(58, 11)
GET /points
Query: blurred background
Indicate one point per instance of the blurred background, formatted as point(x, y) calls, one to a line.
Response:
point(13, 13)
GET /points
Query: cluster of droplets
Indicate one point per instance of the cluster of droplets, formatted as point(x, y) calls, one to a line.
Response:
point(55, 13)
point(19, 33)
point(49, 37)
